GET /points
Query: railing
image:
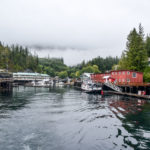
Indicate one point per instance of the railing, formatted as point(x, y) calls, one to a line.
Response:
point(132, 84)
point(6, 79)
point(126, 83)
point(28, 78)
point(113, 86)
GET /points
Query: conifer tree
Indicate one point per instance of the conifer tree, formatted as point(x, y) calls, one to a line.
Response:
point(147, 45)
point(135, 56)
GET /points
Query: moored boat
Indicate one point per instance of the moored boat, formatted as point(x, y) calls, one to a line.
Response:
point(91, 87)
point(88, 85)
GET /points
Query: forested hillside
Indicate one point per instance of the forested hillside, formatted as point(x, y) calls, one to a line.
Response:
point(52, 66)
point(16, 58)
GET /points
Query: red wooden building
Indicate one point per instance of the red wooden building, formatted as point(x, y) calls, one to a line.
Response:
point(120, 77)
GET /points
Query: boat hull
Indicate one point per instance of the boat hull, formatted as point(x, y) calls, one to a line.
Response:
point(93, 91)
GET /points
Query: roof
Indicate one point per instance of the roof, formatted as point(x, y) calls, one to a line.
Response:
point(44, 75)
point(125, 70)
point(118, 71)
point(30, 74)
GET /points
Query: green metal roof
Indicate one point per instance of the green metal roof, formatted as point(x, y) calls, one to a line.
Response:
point(30, 74)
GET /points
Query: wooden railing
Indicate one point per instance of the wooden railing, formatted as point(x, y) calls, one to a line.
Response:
point(132, 84)
point(6, 79)
point(126, 83)
point(29, 78)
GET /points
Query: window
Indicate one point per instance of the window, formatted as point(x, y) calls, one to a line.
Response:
point(112, 73)
point(123, 72)
point(116, 73)
point(134, 75)
point(128, 80)
point(128, 72)
point(119, 80)
point(119, 72)
point(122, 80)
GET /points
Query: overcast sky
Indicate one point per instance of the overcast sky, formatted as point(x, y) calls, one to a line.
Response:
point(76, 29)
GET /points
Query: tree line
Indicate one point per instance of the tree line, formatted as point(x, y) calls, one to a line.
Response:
point(16, 58)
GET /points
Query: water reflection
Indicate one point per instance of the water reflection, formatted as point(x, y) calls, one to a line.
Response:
point(67, 119)
point(135, 119)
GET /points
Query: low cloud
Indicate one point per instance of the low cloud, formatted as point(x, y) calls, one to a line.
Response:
point(72, 24)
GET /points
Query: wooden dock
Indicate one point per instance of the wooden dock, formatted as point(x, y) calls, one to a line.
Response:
point(6, 84)
point(130, 94)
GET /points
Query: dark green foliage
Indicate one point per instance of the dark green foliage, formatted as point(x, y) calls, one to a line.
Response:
point(96, 65)
point(17, 58)
point(147, 45)
point(104, 64)
point(136, 52)
point(146, 74)
point(52, 66)
point(63, 74)
point(135, 55)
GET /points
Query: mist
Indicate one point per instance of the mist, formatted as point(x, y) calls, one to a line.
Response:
point(73, 29)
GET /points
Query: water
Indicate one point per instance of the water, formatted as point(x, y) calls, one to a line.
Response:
point(68, 119)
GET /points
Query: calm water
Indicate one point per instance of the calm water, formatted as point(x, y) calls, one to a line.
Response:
point(67, 119)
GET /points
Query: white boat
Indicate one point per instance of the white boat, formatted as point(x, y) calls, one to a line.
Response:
point(91, 87)
point(42, 83)
point(59, 84)
point(88, 85)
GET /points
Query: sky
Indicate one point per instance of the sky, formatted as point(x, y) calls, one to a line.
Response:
point(76, 30)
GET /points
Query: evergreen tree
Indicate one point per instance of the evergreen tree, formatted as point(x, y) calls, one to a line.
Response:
point(123, 63)
point(147, 45)
point(135, 55)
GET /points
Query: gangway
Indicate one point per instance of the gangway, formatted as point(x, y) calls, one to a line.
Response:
point(113, 86)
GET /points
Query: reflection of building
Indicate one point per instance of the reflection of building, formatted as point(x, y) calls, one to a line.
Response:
point(120, 76)
point(134, 117)
point(125, 107)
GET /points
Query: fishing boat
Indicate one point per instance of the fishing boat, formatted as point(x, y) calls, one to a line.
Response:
point(42, 83)
point(88, 85)
point(91, 87)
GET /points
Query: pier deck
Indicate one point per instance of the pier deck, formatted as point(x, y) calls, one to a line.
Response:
point(130, 94)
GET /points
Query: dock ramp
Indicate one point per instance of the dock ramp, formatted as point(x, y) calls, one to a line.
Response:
point(113, 86)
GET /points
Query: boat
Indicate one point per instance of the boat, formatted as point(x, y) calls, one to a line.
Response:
point(91, 87)
point(59, 84)
point(88, 85)
point(42, 83)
